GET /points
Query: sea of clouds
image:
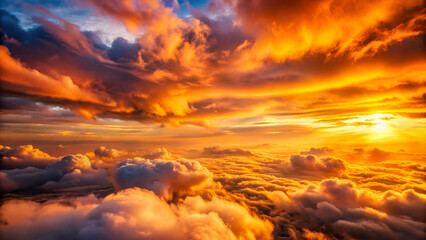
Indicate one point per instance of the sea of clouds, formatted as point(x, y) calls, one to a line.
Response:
point(218, 193)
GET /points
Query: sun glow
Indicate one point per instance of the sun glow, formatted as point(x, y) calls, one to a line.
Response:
point(376, 126)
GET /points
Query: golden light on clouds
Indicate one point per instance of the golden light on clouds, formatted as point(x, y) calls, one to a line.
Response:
point(213, 119)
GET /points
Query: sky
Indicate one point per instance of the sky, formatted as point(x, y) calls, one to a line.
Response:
point(237, 119)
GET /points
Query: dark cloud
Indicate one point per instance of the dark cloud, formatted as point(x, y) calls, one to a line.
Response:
point(339, 209)
point(13, 103)
point(123, 51)
point(71, 171)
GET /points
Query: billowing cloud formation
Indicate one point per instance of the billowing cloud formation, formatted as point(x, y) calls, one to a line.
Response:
point(24, 156)
point(342, 210)
point(164, 177)
point(159, 153)
point(240, 197)
point(132, 214)
point(71, 171)
point(289, 29)
point(104, 152)
point(311, 165)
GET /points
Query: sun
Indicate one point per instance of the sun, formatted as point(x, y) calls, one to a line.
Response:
point(380, 121)
point(375, 126)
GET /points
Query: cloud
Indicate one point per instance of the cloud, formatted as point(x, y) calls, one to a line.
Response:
point(378, 155)
point(311, 165)
point(84, 80)
point(214, 196)
point(105, 152)
point(134, 14)
point(323, 151)
point(160, 153)
point(132, 214)
point(16, 77)
point(70, 171)
point(166, 37)
point(166, 178)
point(341, 209)
point(24, 156)
point(216, 151)
point(372, 155)
point(123, 51)
point(167, 73)
point(332, 27)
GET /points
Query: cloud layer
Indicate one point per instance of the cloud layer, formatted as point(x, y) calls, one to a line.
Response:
point(215, 197)
point(346, 211)
point(133, 214)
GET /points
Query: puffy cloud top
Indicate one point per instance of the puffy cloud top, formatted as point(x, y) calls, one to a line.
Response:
point(106, 152)
point(159, 153)
point(164, 177)
point(71, 171)
point(134, 214)
point(338, 207)
point(24, 156)
point(315, 166)
point(77, 161)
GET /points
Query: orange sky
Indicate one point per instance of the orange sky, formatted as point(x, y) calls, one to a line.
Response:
point(213, 119)
point(324, 73)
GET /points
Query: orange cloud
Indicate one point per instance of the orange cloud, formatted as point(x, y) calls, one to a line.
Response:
point(19, 78)
point(134, 213)
point(166, 178)
point(289, 30)
point(24, 156)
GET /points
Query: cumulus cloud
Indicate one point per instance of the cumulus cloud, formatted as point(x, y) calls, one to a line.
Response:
point(132, 214)
point(105, 152)
point(71, 171)
point(159, 153)
point(167, 38)
point(24, 156)
point(164, 177)
point(341, 209)
point(311, 165)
